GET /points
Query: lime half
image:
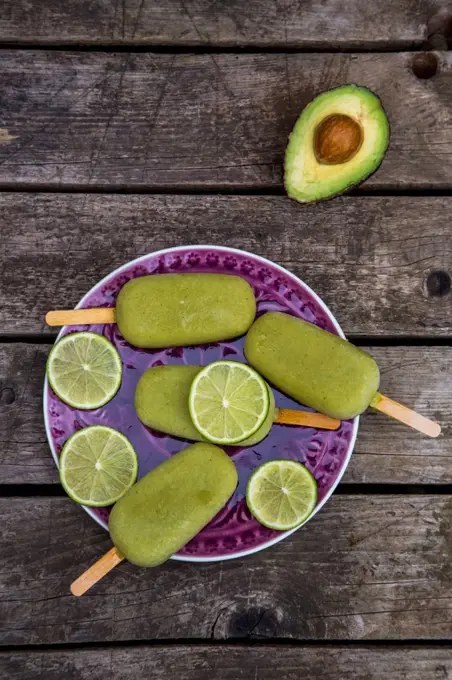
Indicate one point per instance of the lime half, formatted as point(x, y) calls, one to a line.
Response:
point(281, 494)
point(97, 466)
point(228, 402)
point(84, 370)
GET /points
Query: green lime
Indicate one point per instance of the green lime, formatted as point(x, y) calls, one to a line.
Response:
point(228, 402)
point(97, 466)
point(281, 494)
point(84, 370)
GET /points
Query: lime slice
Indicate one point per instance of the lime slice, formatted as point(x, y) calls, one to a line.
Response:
point(228, 402)
point(97, 466)
point(281, 494)
point(84, 370)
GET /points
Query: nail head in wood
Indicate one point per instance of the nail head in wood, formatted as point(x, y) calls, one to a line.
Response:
point(425, 65)
point(7, 396)
point(438, 283)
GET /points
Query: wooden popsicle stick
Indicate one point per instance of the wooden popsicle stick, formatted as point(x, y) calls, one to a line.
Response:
point(405, 415)
point(286, 416)
point(80, 317)
point(97, 571)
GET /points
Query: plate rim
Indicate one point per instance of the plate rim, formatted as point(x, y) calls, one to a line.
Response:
point(290, 275)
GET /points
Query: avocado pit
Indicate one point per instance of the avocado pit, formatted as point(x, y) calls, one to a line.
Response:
point(337, 139)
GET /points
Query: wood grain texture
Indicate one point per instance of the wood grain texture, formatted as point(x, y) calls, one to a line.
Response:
point(220, 120)
point(385, 452)
point(202, 22)
point(368, 258)
point(263, 662)
point(366, 567)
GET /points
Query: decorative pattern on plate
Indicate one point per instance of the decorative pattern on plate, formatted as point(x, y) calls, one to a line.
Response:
point(234, 530)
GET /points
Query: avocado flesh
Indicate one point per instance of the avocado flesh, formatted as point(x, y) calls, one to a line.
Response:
point(305, 178)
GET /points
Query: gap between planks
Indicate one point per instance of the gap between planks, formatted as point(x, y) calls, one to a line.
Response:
point(234, 643)
point(49, 337)
point(144, 47)
point(345, 489)
point(245, 190)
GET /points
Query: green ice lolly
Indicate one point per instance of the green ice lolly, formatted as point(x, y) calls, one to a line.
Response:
point(317, 368)
point(171, 504)
point(161, 402)
point(165, 510)
point(184, 309)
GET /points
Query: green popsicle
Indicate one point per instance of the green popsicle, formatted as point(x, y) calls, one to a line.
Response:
point(184, 309)
point(323, 371)
point(165, 510)
point(317, 368)
point(171, 504)
point(161, 402)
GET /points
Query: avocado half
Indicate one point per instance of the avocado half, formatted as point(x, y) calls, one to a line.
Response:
point(339, 139)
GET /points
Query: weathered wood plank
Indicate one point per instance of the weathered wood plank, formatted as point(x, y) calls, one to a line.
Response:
point(388, 452)
point(368, 257)
point(385, 452)
point(219, 120)
point(366, 567)
point(231, 663)
point(261, 23)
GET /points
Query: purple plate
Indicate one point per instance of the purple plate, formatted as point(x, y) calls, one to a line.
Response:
point(233, 532)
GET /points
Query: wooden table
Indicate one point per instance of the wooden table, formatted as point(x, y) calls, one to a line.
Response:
point(131, 126)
